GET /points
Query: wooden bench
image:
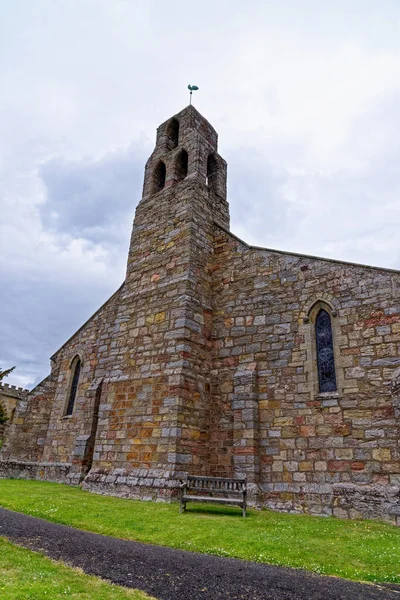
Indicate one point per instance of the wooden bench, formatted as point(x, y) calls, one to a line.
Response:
point(197, 488)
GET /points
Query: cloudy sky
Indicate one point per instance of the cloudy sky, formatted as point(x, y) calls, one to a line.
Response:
point(305, 96)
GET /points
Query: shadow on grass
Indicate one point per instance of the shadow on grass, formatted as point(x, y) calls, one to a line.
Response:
point(210, 510)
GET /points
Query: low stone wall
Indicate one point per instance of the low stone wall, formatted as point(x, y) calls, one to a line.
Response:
point(140, 484)
point(367, 502)
point(57, 472)
point(312, 498)
point(342, 500)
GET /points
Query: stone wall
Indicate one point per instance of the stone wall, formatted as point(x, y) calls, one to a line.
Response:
point(26, 435)
point(153, 422)
point(93, 344)
point(331, 453)
point(41, 471)
point(10, 395)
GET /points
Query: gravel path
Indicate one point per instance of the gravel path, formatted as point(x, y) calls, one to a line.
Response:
point(171, 574)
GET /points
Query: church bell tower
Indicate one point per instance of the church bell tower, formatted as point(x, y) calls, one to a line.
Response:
point(160, 386)
point(186, 149)
point(184, 173)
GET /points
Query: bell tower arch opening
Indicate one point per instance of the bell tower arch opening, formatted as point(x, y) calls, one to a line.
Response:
point(212, 172)
point(159, 176)
point(172, 134)
point(186, 150)
point(181, 166)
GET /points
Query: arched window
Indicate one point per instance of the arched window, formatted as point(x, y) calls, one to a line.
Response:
point(172, 134)
point(181, 165)
point(159, 177)
point(212, 171)
point(76, 370)
point(325, 354)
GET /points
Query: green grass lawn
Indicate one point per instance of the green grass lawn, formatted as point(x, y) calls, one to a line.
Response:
point(361, 550)
point(28, 575)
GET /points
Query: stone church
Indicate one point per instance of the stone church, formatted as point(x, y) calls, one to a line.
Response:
point(215, 357)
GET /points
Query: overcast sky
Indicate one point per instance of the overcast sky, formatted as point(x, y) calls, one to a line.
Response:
point(305, 96)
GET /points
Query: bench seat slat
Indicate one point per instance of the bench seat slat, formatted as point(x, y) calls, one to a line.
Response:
point(212, 499)
point(211, 490)
point(217, 479)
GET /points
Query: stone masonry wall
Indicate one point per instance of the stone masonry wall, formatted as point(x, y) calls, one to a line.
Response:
point(10, 397)
point(153, 423)
point(332, 453)
point(26, 435)
point(94, 344)
point(40, 432)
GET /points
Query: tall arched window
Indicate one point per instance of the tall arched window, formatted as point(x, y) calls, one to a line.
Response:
point(181, 165)
point(325, 353)
point(76, 370)
point(159, 177)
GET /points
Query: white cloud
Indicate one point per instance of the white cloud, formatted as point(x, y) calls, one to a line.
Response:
point(305, 97)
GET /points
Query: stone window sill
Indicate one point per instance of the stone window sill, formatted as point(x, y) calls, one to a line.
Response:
point(324, 395)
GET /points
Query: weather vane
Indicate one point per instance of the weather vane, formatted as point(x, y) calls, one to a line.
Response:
point(192, 88)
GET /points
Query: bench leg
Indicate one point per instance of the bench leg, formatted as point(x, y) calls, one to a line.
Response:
point(244, 509)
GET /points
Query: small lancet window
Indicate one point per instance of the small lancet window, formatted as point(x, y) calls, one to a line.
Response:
point(159, 176)
point(212, 170)
point(172, 134)
point(76, 369)
point(325, 353)
point(181, 166)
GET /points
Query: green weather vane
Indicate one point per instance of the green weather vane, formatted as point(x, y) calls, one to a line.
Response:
point(192, 88)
